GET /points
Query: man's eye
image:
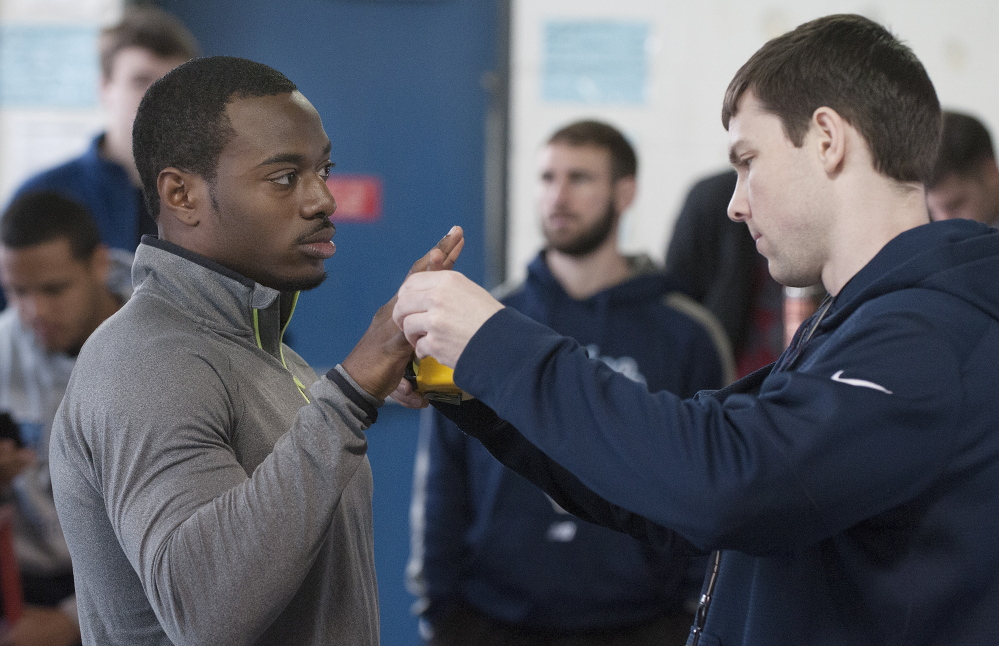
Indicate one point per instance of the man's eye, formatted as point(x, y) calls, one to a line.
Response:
point(286, 179)
point(324, 172)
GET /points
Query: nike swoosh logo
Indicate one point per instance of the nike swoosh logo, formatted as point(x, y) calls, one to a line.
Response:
point(863, 383)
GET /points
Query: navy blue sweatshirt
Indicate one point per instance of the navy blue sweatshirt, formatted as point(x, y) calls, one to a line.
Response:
point(853, 488)
point(485, 536)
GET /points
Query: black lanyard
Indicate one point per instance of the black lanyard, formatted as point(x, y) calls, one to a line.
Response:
point(786, 362)
point(802, 336)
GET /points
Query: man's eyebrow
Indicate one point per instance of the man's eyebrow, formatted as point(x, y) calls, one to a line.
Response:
point(284, 158)
point(294, 158)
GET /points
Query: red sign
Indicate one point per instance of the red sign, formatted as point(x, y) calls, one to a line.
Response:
point(358, 197)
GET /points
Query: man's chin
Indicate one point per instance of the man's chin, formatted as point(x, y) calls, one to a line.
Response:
point(298, 285)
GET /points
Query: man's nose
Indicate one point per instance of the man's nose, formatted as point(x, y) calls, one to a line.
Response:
point(319, 199)
point(738, 206)
point(558, 193)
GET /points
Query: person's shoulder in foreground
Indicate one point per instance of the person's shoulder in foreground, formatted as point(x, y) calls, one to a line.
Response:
point(844, 486)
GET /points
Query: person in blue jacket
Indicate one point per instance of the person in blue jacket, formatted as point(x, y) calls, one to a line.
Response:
point(851, 489)
point(143, 46)
point(494, 560)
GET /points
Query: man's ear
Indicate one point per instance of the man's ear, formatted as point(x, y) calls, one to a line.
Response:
point(624, 193)
point(181, 194)
point(831, 134)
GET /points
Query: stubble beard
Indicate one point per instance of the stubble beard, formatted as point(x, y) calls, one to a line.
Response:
point(302, 285)
point(588, 240)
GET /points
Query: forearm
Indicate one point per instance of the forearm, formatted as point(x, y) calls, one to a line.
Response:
point(721, 473)
point(514, 451)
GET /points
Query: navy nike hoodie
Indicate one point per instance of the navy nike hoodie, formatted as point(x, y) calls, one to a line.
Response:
point(852, 489)
point(486, 537)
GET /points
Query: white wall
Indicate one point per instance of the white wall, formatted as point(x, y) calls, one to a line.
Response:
point(694, 49)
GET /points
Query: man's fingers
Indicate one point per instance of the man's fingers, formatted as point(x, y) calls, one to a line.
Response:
point(451, 244)
point(412, 328)
point(409, 397)
point(414, 295)
point(452, 256)
point(444, 254)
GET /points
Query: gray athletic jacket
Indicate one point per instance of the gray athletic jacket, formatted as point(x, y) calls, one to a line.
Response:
point(203, 499)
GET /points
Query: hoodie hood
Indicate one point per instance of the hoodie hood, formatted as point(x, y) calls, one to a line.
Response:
point(647, 281)
point(957, 257)
point(605, 322)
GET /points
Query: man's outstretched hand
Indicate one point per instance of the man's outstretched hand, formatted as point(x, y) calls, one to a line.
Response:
point(379, 359)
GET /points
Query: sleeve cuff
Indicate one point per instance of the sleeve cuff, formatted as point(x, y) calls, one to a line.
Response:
point(357, 395)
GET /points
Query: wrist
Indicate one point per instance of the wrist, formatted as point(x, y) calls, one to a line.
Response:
point(355, 393)
point(376, 378)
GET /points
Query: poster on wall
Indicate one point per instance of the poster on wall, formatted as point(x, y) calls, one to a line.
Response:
point(49, 79)
point(594, 61)
point(48, 66)
point(61, 11)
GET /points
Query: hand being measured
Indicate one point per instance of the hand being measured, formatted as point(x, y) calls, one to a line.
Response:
point(440, 312)
point(379, 359)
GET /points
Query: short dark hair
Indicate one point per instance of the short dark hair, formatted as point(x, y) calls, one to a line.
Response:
point(859, 69)
point(181, 120)
point(38, 217)
point(624, 162)
point(964, 144)
point(149, 28)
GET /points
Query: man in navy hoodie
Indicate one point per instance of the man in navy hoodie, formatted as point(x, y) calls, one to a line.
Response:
point(851, 489)
point(494, 560)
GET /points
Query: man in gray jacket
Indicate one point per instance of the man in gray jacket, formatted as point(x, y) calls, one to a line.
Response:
point(61, 283)
point(212, 489)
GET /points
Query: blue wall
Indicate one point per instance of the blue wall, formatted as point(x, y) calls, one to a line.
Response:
point(399, 87)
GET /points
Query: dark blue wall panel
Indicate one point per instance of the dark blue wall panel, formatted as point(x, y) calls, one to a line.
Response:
point(399, 88)
point(398, 85)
